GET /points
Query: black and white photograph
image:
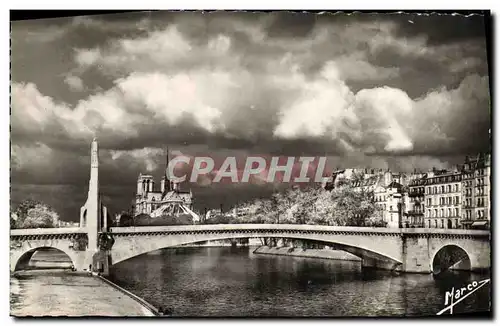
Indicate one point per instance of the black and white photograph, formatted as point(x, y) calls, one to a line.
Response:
point(249, 164)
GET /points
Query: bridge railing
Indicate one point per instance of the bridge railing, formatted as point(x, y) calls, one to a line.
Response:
point(239, 227)
point(292, 227)
point(17, 232)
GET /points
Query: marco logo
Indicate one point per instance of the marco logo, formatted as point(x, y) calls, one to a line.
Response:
point(454, 296)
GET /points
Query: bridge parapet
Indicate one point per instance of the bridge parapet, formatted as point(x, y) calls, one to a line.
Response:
point(457, 232)
point(425, 232)
point(240, 227)
point(18, 232)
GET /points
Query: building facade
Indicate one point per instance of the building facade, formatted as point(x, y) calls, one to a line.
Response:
point(414, 216)
point(443, 197)
point(449, 199)
point(476, 184)
point(395, 205)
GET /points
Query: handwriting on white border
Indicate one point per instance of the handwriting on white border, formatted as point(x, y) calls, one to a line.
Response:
point(451, 298)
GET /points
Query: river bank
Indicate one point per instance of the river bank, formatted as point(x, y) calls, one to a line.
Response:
point(252, 242)
point(310, 253)
point(65, 293)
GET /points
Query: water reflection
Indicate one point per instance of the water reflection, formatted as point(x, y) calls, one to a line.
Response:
point(236, 282)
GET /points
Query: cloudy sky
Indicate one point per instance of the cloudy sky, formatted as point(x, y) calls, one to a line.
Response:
point(384, 91)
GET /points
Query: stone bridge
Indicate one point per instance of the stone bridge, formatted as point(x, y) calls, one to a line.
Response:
point(406, 250)
point(96, 245)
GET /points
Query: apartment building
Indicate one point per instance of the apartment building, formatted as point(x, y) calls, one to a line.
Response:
point(443, 199)
point(414, 216)
point(476, 184)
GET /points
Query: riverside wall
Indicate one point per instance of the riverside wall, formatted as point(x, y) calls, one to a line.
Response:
point(310, 253)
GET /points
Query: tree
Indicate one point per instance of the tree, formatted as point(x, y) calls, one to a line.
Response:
point(267, 211)
point(220, 219)
point(33, 214)
point(352, 207)
point(304, 210)
point(13, 220)
point(24, 206)
point(324, 208)
point(283, 203)
point(126, 219)
point(40, 216)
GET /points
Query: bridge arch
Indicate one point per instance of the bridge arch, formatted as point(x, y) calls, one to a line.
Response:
point(450, 256)
point(383, 253)
point(22, 261)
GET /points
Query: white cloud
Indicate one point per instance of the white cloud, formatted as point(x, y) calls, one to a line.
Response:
point(87, 57)
point(75, 83)
point(148, 156)
point(319, 107)
point(220, 44)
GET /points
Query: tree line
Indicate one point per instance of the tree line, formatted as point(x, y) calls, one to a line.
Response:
point(342, 206)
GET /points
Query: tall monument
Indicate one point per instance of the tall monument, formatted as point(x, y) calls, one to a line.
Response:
point(93, 213)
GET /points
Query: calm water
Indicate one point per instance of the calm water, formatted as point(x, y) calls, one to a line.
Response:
point(236, 282)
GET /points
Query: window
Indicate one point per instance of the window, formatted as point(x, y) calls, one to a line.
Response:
point(449, 212)
point(456, 188)
point(457, 212)
point(434, 190)
point(442, 224)
point(441, 213)
point(442, 189)
point(449, 188)
point(435, 223)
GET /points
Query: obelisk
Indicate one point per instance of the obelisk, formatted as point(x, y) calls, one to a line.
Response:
point(90, 213)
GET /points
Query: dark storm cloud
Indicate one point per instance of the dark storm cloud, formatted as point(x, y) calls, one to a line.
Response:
point(442, 28)
point(293, 25)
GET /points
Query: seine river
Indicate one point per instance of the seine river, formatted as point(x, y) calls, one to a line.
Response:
point(225, 281)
